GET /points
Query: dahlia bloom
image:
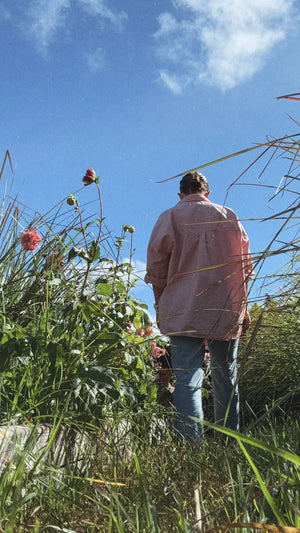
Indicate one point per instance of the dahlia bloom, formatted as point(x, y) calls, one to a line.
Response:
point(89, 177)
point(145, 332)
point(148, 331)
point(156, 350)
point(207, 357)
point(29, 240)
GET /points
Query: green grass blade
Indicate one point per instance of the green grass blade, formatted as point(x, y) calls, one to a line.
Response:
point(263, 487)
point(293, 458)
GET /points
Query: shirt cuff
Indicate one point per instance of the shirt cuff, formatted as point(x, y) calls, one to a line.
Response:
point(159, 282)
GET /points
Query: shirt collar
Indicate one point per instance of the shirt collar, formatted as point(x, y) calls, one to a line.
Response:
point(196, 197)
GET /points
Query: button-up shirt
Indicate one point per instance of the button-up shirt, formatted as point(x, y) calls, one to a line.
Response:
point(199, 255)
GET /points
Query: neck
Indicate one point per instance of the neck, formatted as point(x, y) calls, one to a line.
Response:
point(183, 195)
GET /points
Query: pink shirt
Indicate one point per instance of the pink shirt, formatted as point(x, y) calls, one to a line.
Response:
point(199, 254)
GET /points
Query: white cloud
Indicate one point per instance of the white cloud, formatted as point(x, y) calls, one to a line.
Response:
point(167, 25)
point(138, 269)
point(98, 7)
point(218, 42)
point(45, 18)
point(96, 60)
point(171, 82)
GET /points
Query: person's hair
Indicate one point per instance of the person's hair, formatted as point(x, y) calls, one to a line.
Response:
point(194, 182)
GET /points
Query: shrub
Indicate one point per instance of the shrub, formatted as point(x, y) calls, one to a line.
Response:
point(269, 357)
point(69, 329)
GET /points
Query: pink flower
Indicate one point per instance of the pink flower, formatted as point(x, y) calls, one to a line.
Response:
point(156, 350)
point(140, 332)
point(148, 331)
point(29, 240)
point(207, 357)
point(89, 177)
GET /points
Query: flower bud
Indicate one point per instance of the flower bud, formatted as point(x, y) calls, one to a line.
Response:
point(128, 228)
point(71, 200)
point(89, 177)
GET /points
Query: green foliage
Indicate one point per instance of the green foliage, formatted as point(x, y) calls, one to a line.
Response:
point(153, 487)
point(269, 356)
point(68, 325)
point(70, 351)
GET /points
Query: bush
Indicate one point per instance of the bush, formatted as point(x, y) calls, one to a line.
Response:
point(269, 357)
point(71, 336)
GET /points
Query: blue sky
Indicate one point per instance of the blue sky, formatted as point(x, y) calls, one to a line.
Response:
point(143, 90)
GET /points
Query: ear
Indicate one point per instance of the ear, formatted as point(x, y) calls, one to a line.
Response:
point(207, 194)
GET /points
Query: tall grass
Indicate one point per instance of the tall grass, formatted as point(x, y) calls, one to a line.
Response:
point(72, 354)
point(154, 490)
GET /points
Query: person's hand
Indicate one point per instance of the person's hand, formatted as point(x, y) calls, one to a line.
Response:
point(246, 322)
point(157, 315)
point(157, 320)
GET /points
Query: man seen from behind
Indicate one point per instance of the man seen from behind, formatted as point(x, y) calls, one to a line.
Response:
point(199, 264)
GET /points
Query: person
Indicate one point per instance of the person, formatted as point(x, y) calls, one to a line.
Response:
point(199, 264)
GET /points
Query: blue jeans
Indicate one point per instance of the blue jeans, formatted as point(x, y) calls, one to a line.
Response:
point(187, 359)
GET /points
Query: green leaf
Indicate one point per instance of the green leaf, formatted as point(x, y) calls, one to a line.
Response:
point(78, 252)
point(86, 312)
point(105, 289)
point(252, 441)
point(262, 485)
point(55, 282)
point(72, 253)
point(83, 254)
point(128, 358)
point(100, 374)
point(94, 252)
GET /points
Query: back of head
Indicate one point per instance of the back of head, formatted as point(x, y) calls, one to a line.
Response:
point(194, 182)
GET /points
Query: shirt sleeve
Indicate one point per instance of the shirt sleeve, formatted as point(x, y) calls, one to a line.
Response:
point(159, 252)
point(247, 256)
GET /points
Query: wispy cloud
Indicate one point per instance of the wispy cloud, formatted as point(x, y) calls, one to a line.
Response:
point(96, 60)
point(172, 82)
point(99, 7)
point(45, 18)
point(219, 43)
